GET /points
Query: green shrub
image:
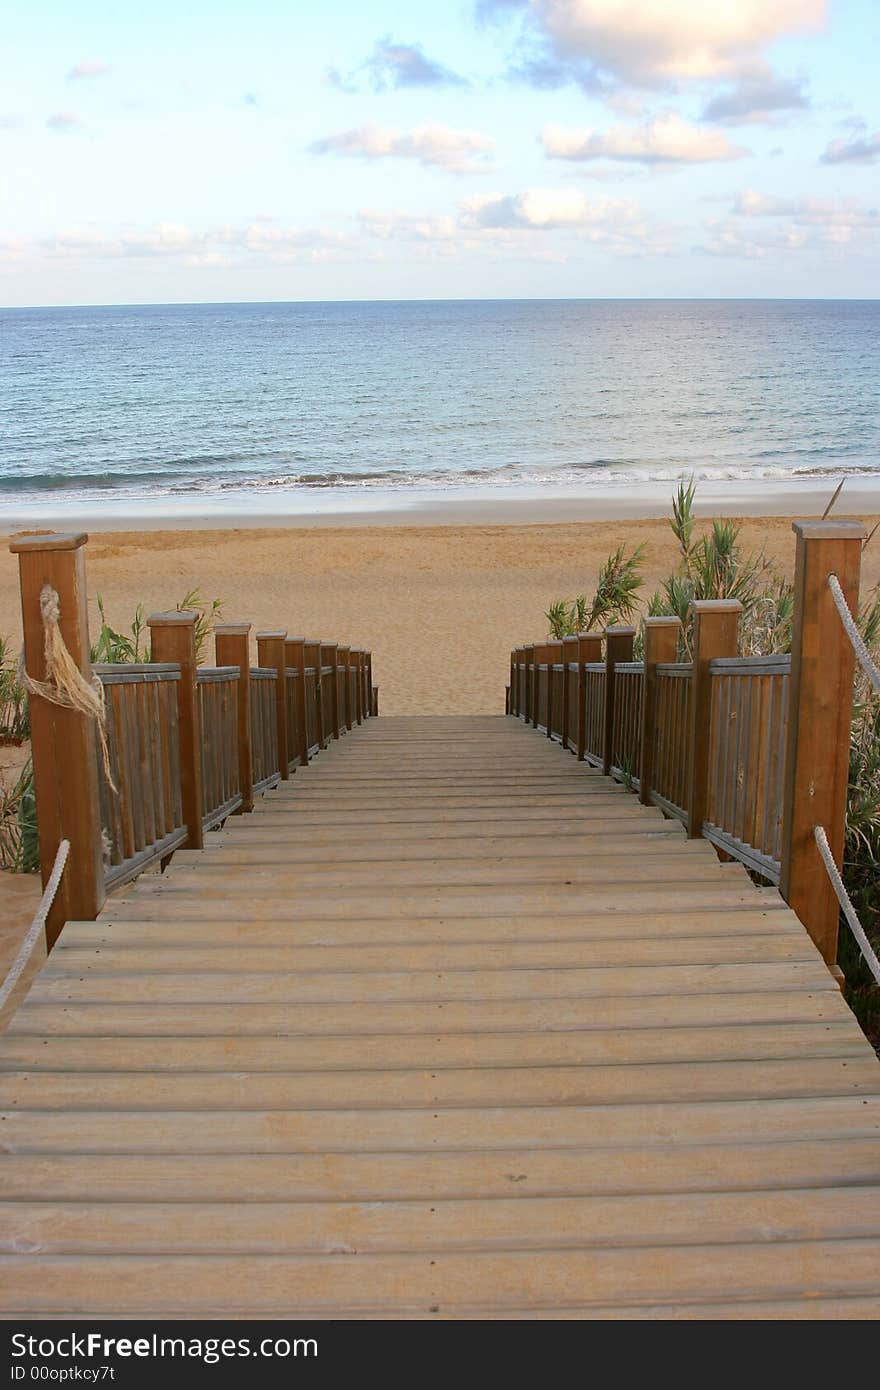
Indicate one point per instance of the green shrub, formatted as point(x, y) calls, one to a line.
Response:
point(15, 724)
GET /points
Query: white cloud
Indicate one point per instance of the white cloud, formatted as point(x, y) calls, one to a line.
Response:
point(809, 211)
point(63, 121)
point(653, 43)
point(537, 225)
point(460, 151)
point(761, 224)
point(176, 241)
point(545, 209)
point(90, 68)
point(407, 226)
point(394, 65)
point(756, 101)
point(730, 238)
point(666, 140)
point(859, 149)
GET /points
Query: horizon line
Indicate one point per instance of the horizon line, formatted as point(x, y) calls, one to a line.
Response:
point(456, 299)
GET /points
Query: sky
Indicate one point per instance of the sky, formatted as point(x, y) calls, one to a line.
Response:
point(371, 149)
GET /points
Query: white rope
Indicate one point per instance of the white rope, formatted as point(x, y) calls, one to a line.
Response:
point(66, 686)
point(37, 925)
point(843, 898)
point(858, 643)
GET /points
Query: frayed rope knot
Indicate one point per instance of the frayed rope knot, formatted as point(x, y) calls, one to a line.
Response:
point(50, 606)
point(65, 684)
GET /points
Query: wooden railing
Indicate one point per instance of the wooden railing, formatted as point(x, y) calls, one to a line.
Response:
point(187, 745)
point(731, 746)
point(217, 689)
point(626, 726)
point(264, 730)
point(142, 819)
point(747, 736)
point(671, 754)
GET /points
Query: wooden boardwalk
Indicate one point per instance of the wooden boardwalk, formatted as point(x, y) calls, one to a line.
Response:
point(449, 1026)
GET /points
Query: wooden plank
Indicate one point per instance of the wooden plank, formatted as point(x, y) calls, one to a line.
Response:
point(540, 1223)
point(262, 929)
point(411, 985)
point(450, 1087)
point(787, 944)
point(476, 849)
point(442, 1173)
point(433, 902)
point(614, 1047)
point(438, 1016)
point(364, 1129)
point(327, 844)
point(592, 831)
point(213, 876)
point(297, 1284)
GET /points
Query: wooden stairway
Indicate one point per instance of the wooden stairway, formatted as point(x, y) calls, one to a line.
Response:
point(449, 1026)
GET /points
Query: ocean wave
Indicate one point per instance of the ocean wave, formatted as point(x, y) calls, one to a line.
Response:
point(80, 482)
point(122, 487)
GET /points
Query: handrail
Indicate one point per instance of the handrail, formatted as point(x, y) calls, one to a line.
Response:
point(750, 752)
point(186, 745)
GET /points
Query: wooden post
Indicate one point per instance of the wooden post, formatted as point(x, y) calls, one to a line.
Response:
point(554, 656)
point(618, 647)
point(528, 662)
point(270, 653)
point(295, 656)
point(716, 633)
point(313, 660)
point(539, 658)
point(510, 704)
point(232, 648)
point(345, 719)
point(329, 657)
point(661, 646)
point(372, 694)
point(63, 741)
point(356, 659)
point(173, 638)
point(569, 655)
point(589, 649)
point(374, 702)
point(819, 716)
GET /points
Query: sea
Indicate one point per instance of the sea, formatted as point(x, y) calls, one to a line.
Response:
point(292, 407)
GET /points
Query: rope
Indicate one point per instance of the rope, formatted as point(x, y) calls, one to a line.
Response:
point(66, 684)
point(37, 925)
point(858, 643)
point(843, 898)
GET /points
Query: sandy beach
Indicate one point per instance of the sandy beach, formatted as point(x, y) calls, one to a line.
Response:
point(439, 605)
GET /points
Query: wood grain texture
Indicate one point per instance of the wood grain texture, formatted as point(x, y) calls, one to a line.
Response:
point(448, 1027)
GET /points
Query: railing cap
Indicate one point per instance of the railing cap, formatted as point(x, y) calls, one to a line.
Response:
point(670, 621)
point(182, 617)
point(715, 605)
point(294, 639)
point(272, 634)
point(620, 631)
point(54, 540)
point(232, 629)
point(830, 530)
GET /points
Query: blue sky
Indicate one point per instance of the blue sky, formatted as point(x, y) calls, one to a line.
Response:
point(485, 148)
